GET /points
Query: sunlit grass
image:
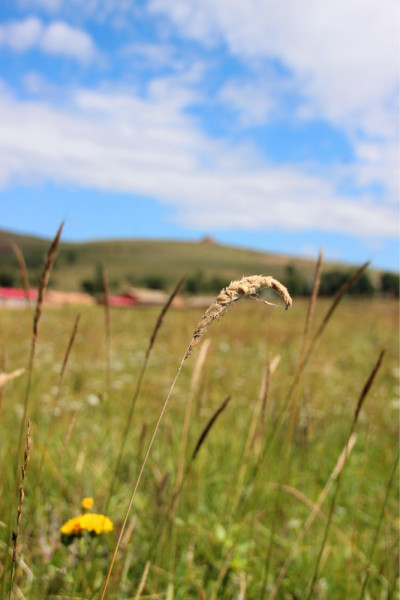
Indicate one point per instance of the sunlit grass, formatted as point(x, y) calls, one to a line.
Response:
point(214, 547)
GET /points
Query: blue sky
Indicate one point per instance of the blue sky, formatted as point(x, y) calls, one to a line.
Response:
point(268, 124)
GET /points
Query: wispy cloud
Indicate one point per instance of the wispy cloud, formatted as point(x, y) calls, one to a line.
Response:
point(57, 38)
point(341, 54)
point(118, 142)
point(340, 61)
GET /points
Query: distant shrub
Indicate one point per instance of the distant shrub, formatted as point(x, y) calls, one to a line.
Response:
point(196, 283)
point(154, 282)
point(71, 256)
point(6, 280)
point(363, 286)
point(94, 285)
point(34, 259)
point(296, 281)
point(390, 284)
point(333, 280)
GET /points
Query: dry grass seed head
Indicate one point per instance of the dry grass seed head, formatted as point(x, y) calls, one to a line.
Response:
point(247, 286)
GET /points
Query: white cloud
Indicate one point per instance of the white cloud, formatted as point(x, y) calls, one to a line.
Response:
point(21, 36)
point(54, 38)
point(341, 60)
point(251, 101)
point(343, 54)
point(151, 54)
point(122, 143)
point(60, 38)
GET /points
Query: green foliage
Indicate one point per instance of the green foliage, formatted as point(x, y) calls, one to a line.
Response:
point(332, 281)
point(296, 282)
point(197, 283)
point(71, 256)
point(363, 286)
point(95, 285)
point(153, 282)
point(390, 284)
point(34, 259)
point(7, 279)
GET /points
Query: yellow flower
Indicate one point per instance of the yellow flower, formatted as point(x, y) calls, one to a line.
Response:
point(72, 527)
point(87, 503)
point(93, 523)
point(96, 523)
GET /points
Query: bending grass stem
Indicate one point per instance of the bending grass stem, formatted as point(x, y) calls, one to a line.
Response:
point(248, 286)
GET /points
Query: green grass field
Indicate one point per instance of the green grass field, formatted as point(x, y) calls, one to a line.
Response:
point(235, 529)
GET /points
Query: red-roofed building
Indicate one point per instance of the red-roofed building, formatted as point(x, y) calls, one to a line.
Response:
point(16, 296)
point(124, 300)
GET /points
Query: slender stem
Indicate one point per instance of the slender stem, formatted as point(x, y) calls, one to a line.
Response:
point(163, 409)
point(389, 485)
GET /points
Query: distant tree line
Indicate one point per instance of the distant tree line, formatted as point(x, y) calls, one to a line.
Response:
point(332, 281)
point(386, 284)
point(195, 283)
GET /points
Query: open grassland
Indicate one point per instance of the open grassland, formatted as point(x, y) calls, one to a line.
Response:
point(247, 516)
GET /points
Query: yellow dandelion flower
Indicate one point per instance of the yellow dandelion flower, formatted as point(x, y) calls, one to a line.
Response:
point(96, 523)
point(87, 503)
point(73, 527)
point(90, 522)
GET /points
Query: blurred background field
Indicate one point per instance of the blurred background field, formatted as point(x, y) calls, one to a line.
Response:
point(240, 510)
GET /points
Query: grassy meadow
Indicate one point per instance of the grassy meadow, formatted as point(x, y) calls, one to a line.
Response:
point(238, 503)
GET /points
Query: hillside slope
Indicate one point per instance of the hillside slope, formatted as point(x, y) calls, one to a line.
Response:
point(130, 261)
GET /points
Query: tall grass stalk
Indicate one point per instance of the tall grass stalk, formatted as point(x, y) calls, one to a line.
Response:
point(143, 580)
point(107, 328)
point(6, 377)
point(248, 286)
point(315, 510)
point(176, 496)
point(222, 572)
point(57, 398)
point(292, 396)
point(44, 279)
point(23, 271)
point(322, 516)
point(138, 387)
point(356, 511)
point(186, 421)
point(2, 374)
point(374, 541)
point(338, 296)
point(173, 504)
point(258, 437)
point(332, 308)
point(255, 434)
point(20, 503)
point(358, 408)
point(291, 400)
point(300, 368)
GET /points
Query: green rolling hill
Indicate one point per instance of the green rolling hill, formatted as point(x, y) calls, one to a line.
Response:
point(138, 262)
